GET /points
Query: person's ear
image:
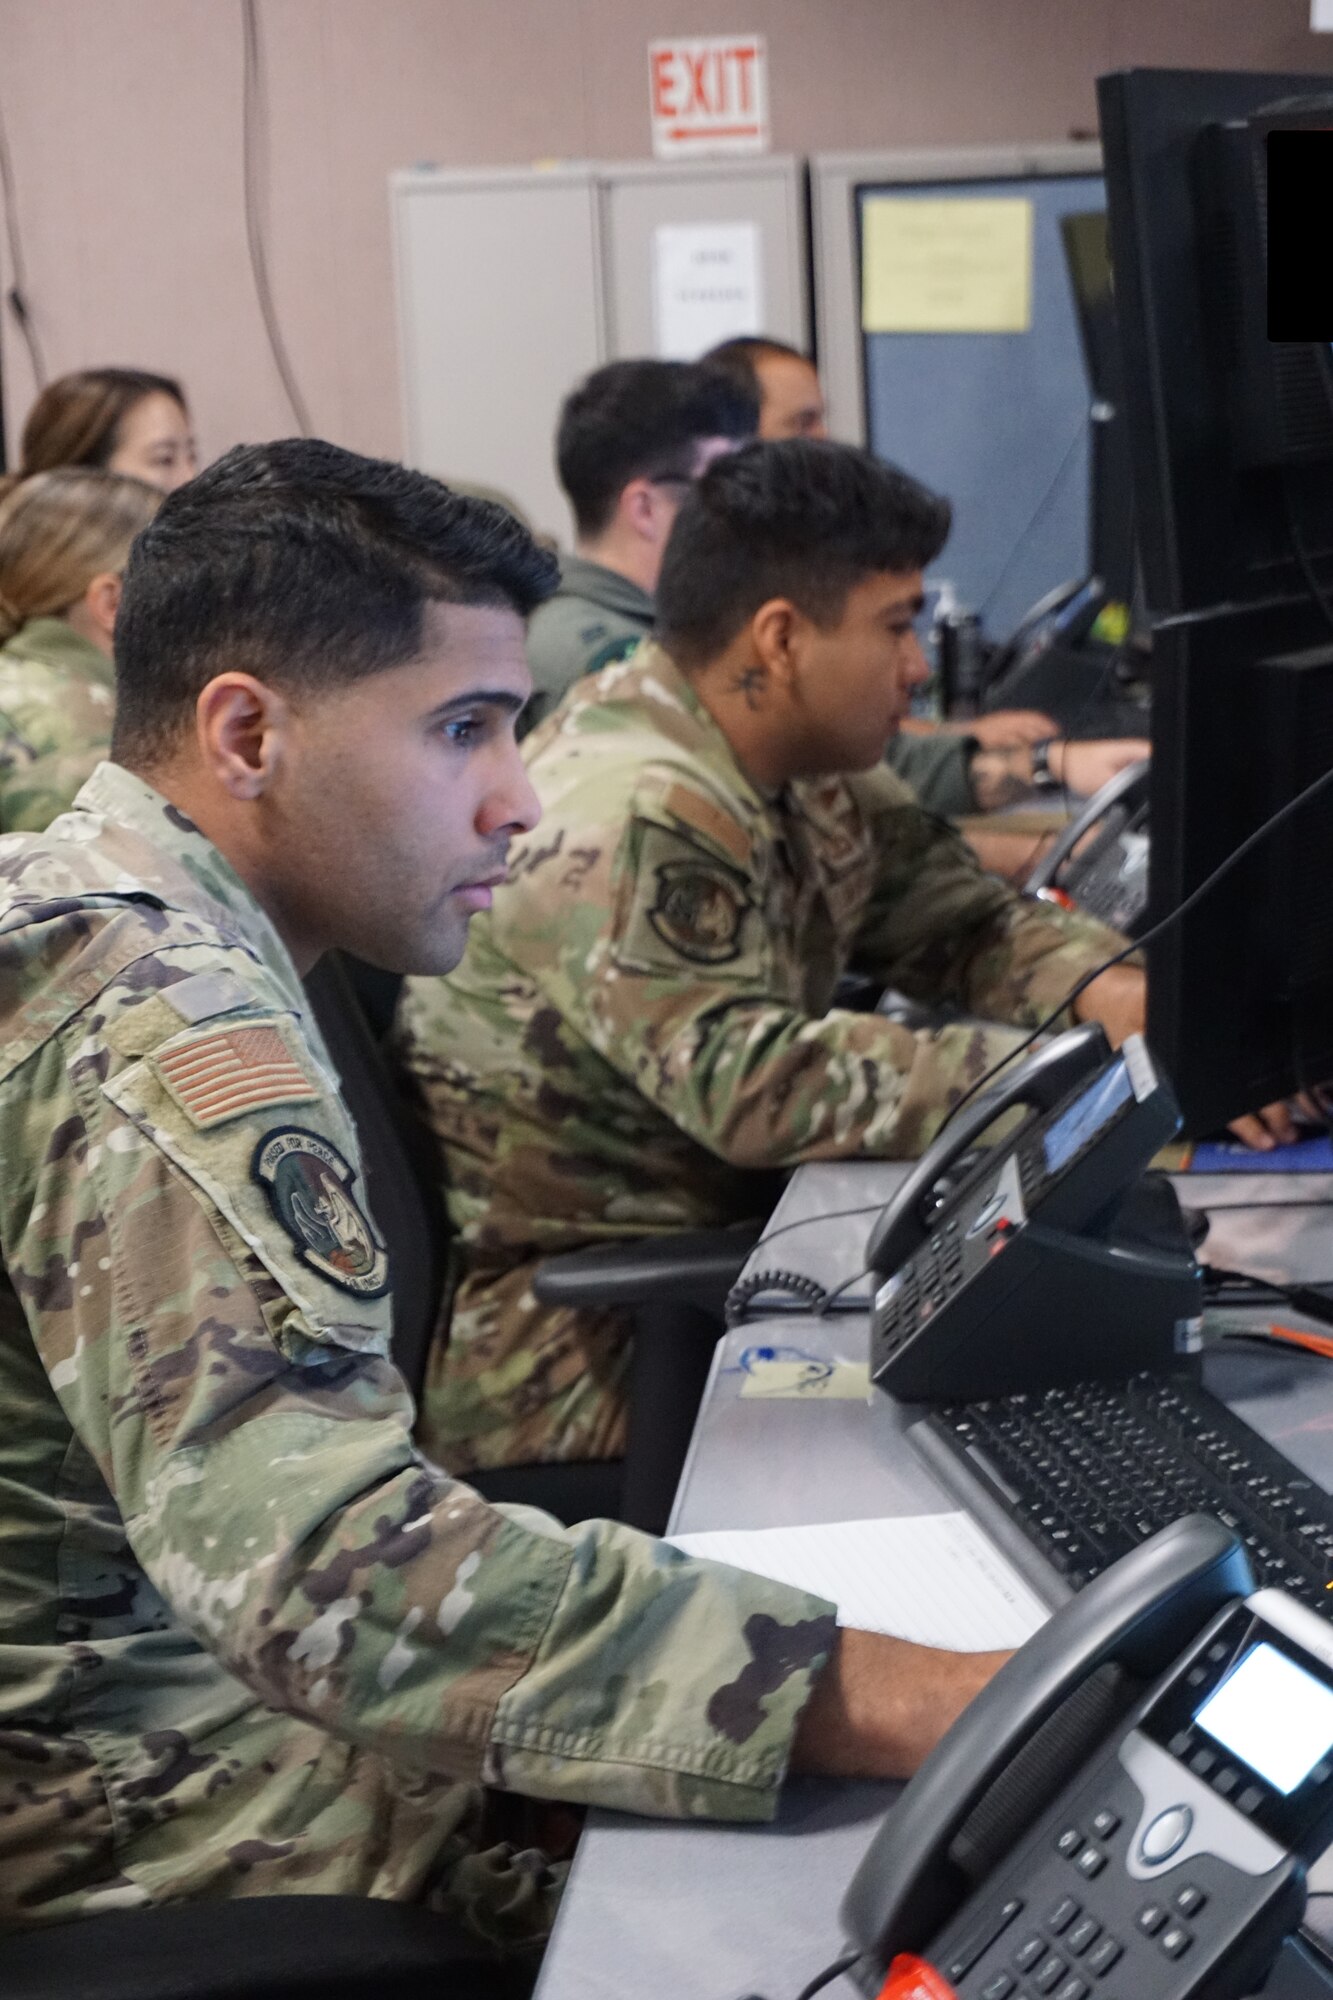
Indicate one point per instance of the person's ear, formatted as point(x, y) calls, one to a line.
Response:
point(243, 728)
point(638, 508)
point(774, 638)
point(101, 601)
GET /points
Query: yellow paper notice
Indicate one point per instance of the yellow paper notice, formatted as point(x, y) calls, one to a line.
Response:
point(954, 265)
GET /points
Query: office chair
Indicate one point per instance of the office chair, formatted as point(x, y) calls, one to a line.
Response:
point(673, 1286)
point(257, 1948)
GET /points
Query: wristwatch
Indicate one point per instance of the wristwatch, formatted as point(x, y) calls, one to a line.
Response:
point(1043, 777)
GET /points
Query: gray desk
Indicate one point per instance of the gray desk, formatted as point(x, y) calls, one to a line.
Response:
point(672, 1912)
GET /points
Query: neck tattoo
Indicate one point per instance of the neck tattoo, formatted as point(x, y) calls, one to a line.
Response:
point(749, 682)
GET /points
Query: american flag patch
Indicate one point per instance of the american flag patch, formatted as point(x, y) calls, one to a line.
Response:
point(234, 1070)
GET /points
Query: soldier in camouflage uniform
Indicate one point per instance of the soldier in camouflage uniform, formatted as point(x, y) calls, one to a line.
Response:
point(643, 1025)
point(64, 539)
point(251, 1640)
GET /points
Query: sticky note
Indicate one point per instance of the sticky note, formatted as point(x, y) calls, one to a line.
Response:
point(956, 264)
point(810, 1381)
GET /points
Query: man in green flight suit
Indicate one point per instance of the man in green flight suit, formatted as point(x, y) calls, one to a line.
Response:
point(251, 1639)
point(630, 441)
point(645, 1019)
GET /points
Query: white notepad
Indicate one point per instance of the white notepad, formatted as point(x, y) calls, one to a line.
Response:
point(934, 1578)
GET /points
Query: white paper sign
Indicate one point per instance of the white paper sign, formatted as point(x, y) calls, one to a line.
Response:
point(707, 285)
point(709, 95)
point(1321, 16)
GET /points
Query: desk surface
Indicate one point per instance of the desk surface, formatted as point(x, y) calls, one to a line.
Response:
point(664, 1910)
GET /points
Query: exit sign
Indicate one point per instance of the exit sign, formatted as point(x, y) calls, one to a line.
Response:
point(709, 95)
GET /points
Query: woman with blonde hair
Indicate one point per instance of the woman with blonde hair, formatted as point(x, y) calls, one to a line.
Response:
point(64, 540)
point(121, 419)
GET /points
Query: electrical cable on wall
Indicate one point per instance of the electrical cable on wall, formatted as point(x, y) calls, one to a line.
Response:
point(17, 295)
point(1037, 516)
point(255, 163)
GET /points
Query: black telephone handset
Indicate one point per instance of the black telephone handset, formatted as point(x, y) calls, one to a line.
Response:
point(1052, 1257)
point(1013, 1748)
point(1100, 860)
point(1036, 1085)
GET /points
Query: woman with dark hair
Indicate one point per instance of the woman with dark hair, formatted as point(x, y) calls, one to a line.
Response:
point(119, 419)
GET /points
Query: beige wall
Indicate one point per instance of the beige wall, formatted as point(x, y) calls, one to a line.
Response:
point(124, 120)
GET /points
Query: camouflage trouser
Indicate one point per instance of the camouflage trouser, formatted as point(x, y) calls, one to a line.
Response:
point(513, 1382)
point(268, 1806)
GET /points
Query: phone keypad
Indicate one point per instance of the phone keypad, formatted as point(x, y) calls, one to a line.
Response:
point(1067, 1954)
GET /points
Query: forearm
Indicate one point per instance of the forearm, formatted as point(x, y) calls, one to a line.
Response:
point(1031, 957)
point(588, 1664)
point(1011, 851)
point(272, 1494)
point(881, 1705)
point(762, 1085)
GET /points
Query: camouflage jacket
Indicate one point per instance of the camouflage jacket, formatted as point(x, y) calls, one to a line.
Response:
point(644, 1019)
point(250, 1639)
point(57, 700)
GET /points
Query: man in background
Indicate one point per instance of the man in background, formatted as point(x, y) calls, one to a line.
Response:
point(631, 440)
point(957, 769)
point(644, 1026)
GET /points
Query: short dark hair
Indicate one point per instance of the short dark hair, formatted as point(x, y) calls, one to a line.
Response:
point(801, 518)
point(641, 420)
point(738, 359)
point(306, 565)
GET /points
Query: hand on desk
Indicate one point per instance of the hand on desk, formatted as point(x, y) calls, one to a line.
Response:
point(1002, 774)
point(881, 1705)
point(1000, 731)
point(1284, 1123)
point(1085, 767)
point(1006, 726)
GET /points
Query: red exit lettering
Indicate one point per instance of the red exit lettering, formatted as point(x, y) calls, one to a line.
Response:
point(710, 88)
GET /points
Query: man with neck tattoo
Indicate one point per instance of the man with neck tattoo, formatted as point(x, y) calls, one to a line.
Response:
point(643, 1027)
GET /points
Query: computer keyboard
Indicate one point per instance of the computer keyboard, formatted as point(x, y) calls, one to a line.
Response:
point(1085, 1474)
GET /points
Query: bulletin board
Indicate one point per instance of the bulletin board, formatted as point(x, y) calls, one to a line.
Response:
point(997, 419)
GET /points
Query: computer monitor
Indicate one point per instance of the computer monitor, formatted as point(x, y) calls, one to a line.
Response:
point(1232, 440)
point(1232, 444)
point(1240, 991)
point(1111, 537)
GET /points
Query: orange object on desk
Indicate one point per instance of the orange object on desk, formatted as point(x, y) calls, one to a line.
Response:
point(911, 1978)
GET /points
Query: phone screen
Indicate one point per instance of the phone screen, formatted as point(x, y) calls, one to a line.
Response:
point(1086, 1115)
point(1273, 1715)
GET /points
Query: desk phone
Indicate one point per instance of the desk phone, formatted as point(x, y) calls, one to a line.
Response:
point(1050, 1259)
point(1100, 861)
point(1128, 1810)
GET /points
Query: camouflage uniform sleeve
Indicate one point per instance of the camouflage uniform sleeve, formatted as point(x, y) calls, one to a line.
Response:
point(51, 740)
point(664, 964)
point(943, 929)
point(209, 1301)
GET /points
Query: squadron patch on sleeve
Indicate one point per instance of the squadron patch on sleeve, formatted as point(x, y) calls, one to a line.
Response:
point(309, 1186)
point(699, 910)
